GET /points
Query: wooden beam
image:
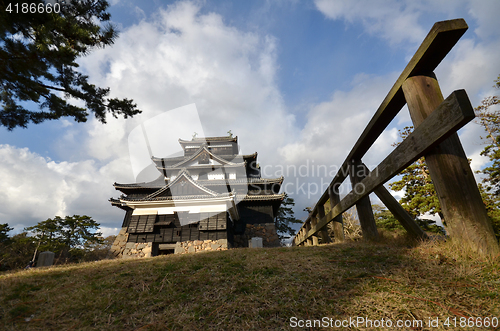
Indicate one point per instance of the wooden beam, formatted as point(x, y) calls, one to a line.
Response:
point(451, 115)
point(363, 205)
point(323, 232)
point(437, 44)
point(400, 213)
point(456, 188)
point(337, 221)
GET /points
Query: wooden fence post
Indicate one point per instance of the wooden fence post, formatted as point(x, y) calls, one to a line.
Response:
point(456, 188)
point(323, 233)
point(314, 221)
point(337, 222)
point(308, 241)
point(357, 172)
point(398, 211)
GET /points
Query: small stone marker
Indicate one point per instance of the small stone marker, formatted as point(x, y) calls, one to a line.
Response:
point(255, 242)
point(45, 259)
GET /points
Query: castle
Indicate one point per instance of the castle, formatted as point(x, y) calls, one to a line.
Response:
point(210, 198)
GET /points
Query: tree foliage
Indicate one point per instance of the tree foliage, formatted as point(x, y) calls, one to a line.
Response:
point(17, 251)
point(72, 239)
point(488, 115)
point(386, 220)
point(4, 229)
point(38, 57)
point(72, 232)
point(285, 218)
point(492, 205)
point(419, 193)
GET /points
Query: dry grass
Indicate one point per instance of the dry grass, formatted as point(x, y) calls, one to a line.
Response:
point(256, 289)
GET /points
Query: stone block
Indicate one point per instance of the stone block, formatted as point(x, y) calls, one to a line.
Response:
point(45, 259)
point(178, 248)
point(255, 242)
point(130, 245)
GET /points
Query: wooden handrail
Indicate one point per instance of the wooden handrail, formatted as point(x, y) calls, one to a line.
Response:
point(437, 44)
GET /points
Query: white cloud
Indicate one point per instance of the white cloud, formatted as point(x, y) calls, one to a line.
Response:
point(334, 126)
point(182, 57)
point(400, 21)
point(486, 13)
point(394, 20)
point(37, 188)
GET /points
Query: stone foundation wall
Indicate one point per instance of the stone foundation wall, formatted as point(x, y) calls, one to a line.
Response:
point(123, 249)
point(266, 231)
point(195, 246)
point(119, 245)
point(137, 250)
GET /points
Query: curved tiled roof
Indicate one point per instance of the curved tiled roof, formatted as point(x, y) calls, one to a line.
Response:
point(201, 166)
point(183, 175)
point(248, 180)
point(239, 197)
point(261, 197)
point(203, 149)
point(198, 140)
point(181, 197)
point(210, 182)
point(157, 183)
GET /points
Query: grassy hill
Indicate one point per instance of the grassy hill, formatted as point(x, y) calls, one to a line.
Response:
point(257, 289)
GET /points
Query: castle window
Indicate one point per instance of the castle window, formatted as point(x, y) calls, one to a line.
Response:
point(215, 176)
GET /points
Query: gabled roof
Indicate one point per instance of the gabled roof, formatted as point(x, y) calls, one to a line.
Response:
point(163, 163)
point(202, 152)
point(210, 139)
point(247, 180)
point(261, 197)
point(182, 185)
point(158, 182)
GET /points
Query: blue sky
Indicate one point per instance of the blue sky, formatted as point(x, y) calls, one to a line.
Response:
point(296, 81)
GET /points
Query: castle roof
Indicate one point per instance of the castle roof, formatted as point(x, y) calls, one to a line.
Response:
point(203, 156)
point(160, 182)
point(210, 139)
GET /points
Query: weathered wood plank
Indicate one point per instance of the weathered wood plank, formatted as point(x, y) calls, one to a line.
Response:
point(323, 232)
point(437, 44)
point(363, 205)
point(453, 179)
point(337, 222)
point(451, 115)
point(400, 213)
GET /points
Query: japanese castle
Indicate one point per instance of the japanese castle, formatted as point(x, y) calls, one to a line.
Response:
point(211, 198)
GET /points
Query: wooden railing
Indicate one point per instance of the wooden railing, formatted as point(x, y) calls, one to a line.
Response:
point(436, 122)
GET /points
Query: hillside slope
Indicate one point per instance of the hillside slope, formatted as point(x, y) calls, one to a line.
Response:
point(256, 289)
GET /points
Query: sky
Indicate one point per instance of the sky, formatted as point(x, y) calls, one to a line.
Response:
point(296, 81)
